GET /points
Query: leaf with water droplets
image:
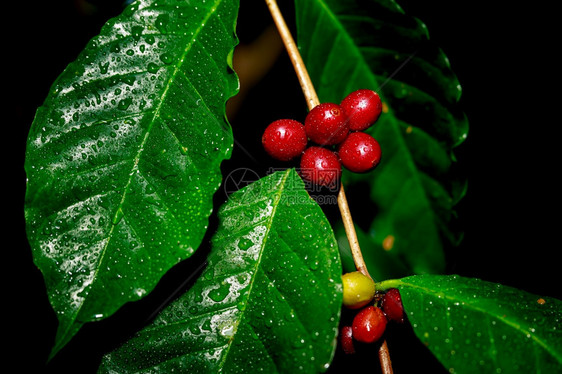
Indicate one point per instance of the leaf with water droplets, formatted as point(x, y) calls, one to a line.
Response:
point(267, 301)
point(124, 156)
point(350, 45)
point(474, 326)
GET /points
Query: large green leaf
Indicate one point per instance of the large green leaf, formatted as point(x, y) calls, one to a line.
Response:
point(352, 44)
point(473, 326)
point(269, 300)
point(124, 156)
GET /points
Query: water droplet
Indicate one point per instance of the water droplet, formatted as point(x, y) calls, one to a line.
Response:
point(299, 343)
point(162, 22)
point(207, 325)
point(136, 32)
point(290, 316)
point(227, 331)
point(150, 39)
point(125, 103)
point(103, 67)
point(152, 67)
point(245, 243)
point(314, 265)
point(220, 293)
point(166, 58)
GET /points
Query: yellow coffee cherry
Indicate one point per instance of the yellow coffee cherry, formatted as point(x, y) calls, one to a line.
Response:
point(358, 290)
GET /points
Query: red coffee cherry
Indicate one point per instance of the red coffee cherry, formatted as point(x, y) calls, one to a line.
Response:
point(326, 124)
point(360, 152)
point(346, 340)
point(369, 324)
point(320, 166)
point(392, 305)
point(363, 108)
point(284, 139)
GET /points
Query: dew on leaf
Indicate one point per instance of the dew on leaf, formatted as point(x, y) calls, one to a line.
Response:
point(162, 22)
point(166, 58)
point(125, 103)
point(299, 343)
point(103, 67)
point(220, 293)
point(152, 67)
point(245, 243)
point(150, 39)
point(136, 32)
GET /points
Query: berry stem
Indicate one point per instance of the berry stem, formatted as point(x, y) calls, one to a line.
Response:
point(388, 284)
point(312, 101)
point(351, 233)
point(384, 358)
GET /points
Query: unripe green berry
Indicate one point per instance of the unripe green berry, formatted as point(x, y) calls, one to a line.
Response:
point(358, 290)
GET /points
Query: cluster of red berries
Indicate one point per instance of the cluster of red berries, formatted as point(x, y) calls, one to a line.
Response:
point(336, 131)
point(369, 323)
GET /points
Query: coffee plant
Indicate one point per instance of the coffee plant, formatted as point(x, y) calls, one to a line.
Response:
point(183, 262)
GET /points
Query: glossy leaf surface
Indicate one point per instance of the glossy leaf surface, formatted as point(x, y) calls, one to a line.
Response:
point(123, 157)
point(473, 326)
point(349, 45)
point(269, 300)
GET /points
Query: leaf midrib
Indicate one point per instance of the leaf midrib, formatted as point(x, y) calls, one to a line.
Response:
point(277, 197)
point(155, 116)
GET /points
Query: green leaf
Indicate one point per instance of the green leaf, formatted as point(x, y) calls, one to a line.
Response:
point(474, 326)
point(269, 299)
point(124, 156)
point(353, 44)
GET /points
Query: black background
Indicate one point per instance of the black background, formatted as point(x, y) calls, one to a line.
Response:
point(504, 57)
